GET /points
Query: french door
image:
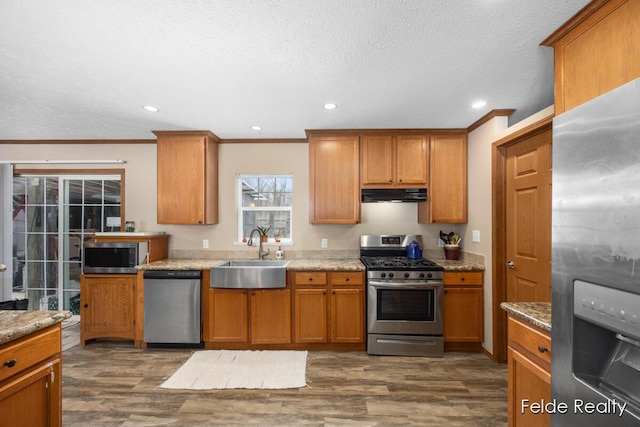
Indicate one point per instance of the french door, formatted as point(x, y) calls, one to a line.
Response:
point(53, 215)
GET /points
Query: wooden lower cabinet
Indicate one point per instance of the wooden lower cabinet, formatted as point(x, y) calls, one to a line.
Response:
point(248, 316)
point(463, 311)
point(31, 389)
point(329, 308)
point(529, 373)
point(108, 306)
point(317, 310)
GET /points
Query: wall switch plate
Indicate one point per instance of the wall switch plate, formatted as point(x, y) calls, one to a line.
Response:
point(325, 243)
point(475, 235)
point(205, 243)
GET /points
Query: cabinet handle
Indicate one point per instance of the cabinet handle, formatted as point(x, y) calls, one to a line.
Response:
point(542, 349)
point(10, 363)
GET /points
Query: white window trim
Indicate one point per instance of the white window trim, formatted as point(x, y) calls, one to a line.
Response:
point(240, 209)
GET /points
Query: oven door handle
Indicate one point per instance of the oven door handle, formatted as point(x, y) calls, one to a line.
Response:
point(405, 285)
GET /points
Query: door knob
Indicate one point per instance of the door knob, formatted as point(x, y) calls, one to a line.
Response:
point(510, 264)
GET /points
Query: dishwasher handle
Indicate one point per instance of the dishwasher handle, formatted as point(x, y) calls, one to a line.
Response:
point(172, 274)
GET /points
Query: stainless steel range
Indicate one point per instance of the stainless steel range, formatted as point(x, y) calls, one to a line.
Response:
point(404, 298)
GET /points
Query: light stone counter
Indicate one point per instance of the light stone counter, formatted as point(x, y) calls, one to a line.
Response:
point(536, 313)
point(15, 324)
point(319, 264)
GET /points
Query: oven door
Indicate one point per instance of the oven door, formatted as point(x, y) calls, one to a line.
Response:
point(405, 307)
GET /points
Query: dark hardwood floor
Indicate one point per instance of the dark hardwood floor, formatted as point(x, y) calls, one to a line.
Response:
point(111, 383)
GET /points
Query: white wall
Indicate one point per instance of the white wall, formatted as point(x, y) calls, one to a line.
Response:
point(140, 194)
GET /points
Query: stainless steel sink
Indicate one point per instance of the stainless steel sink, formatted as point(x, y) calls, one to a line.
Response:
point(250, 274)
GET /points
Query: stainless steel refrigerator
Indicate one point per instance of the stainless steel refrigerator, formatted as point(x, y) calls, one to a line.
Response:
point(595, 363)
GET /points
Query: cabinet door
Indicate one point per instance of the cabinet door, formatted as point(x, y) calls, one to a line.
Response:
point(347, 315)
point(334, 168)
point(33, 397)
point(447, 181)
point(228, 315)
point(412, 154)
point(463, 317)
point(527, 380)
point(271, 316)
point(187, 178)
point(310, 315)
point(377, 158)
point(108, 306)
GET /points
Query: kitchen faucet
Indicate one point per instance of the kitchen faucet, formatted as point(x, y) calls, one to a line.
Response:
point(261, 254)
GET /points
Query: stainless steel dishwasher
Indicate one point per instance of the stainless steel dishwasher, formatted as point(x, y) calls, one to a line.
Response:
point(172, 307)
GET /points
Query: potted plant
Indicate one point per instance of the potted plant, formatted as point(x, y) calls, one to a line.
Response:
point(263, 233)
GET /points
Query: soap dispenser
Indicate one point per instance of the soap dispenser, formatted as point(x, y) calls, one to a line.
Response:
point(279, 253)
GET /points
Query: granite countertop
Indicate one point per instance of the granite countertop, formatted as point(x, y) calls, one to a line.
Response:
point(15, 324)
point(343, 264)
point(536, 313)
point(451, 265)
point(326, 264)
point(182, 264)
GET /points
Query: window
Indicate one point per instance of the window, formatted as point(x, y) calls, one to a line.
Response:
point(265, 201)
point(53, 215)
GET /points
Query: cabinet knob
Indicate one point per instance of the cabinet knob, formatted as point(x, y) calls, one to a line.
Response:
point(86, 305)
point(462, 279)
point(346, 279)
point(311, 279)
point(542, 349)
point(10, 363)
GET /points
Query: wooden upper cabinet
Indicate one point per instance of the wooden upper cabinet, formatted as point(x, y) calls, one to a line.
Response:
point(334, 179)
point(187, 177)
point(394, 161)
point(447, 195)
point(596, 51)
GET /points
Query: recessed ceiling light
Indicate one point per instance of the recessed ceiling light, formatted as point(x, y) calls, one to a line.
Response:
point(256, 127)
point(330, 106)
point(151, 108)
point(478, 104)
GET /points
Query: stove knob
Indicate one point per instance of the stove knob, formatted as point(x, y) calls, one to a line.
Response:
point(421, 275)
point(406, 275)
point(383, 275)
point(390, 275)
point(429, 276)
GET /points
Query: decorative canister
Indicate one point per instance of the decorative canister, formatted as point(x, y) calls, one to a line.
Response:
point(452, 252)
point(130, 226)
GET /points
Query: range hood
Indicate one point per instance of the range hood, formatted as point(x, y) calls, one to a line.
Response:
point(398, 195)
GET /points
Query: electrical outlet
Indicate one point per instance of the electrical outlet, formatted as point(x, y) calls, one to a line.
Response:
point(475, 235)
point(440, 243)
point(205, 243)
point(325, 243)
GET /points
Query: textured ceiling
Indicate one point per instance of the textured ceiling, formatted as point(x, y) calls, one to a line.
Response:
point(83, 69)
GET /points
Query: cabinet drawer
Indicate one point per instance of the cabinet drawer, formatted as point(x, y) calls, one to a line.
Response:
point(29, 350)
point(463, 278)
point(531, 341)
point(310, 278)
point(347, 278)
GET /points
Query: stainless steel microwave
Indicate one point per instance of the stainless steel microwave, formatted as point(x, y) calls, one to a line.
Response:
point(113, 257)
